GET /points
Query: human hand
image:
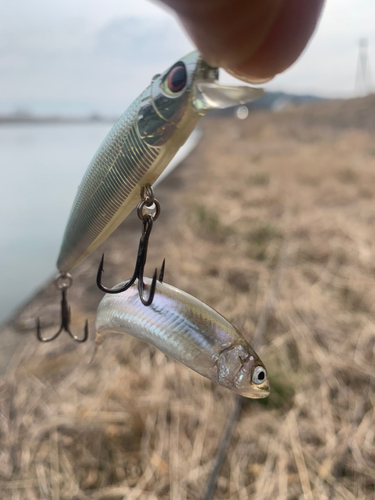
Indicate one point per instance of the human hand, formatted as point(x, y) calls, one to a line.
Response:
point(252, 39)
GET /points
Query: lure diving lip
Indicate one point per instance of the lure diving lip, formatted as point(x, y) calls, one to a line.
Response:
point(212, 95)
point(189, 331)
point(139, 147)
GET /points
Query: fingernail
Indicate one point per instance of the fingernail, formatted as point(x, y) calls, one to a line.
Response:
point(249, 79)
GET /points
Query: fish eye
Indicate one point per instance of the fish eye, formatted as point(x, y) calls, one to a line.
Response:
point(259, 375)
point(177, 78)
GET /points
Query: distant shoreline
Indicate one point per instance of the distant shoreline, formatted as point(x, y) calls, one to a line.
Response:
point(274, 101)
point(12, 119)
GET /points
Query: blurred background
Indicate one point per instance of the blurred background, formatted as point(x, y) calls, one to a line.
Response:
point(287, 252)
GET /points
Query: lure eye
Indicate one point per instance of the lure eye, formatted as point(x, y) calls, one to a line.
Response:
point(259, 375)
point(177, 78)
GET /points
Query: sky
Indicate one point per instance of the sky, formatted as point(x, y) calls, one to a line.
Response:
point(92, 56)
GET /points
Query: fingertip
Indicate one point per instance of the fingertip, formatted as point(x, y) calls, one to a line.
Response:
point(255, 40)
point(284, 43)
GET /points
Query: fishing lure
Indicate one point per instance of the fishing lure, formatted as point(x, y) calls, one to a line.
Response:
point(188, 331)
point(135, 152)
point(138, 149)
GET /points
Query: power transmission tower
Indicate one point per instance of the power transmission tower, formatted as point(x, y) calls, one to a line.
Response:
point(363, 84)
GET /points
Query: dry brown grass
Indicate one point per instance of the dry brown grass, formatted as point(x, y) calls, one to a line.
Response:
point(135, 424)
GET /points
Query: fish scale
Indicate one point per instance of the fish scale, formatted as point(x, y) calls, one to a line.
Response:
point(114, 172)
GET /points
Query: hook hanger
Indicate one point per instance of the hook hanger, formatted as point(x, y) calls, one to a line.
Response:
point(148, 210)
point(63, 282)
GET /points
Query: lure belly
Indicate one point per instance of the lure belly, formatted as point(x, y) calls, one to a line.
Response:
point(188, 331)
point(139, 147)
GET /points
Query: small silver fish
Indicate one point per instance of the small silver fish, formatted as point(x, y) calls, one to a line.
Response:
point(188, 331)
point(139, 147)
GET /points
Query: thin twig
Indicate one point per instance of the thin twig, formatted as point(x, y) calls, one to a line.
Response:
point(298, 456)
point(234, 416)
point(223, 447)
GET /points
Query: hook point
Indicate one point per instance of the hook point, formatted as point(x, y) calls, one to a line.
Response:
point(101, 265)
point(161, 275)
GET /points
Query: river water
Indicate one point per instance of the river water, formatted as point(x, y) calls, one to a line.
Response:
point(41, 167)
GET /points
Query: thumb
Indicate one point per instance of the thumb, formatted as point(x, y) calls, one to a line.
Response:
point(252, 39)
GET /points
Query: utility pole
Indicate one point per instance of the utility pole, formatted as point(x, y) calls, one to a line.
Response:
point(363, 84)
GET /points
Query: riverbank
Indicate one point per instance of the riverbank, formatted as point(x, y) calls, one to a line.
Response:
point(135, 424)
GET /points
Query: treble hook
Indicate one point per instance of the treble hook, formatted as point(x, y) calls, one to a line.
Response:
point(63, 282)
point(147, 219)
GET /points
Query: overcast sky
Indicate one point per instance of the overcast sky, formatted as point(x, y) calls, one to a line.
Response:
point(70, 56)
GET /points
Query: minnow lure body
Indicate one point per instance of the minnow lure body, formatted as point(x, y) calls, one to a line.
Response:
point(139, 147)
point(188, 331)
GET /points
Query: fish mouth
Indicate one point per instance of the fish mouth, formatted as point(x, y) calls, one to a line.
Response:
point(213, 95)
point(257, 391)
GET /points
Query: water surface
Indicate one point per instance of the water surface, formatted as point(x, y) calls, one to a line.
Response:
point(41, 168)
